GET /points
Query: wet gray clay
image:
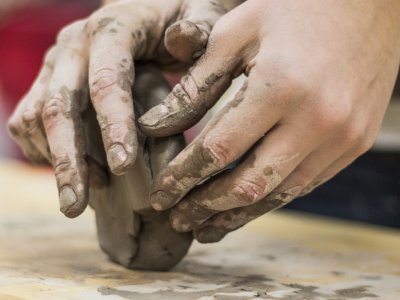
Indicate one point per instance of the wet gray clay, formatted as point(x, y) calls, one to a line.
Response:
point(129, 230)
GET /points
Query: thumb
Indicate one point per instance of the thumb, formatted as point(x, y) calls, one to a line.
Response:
point(187, 38)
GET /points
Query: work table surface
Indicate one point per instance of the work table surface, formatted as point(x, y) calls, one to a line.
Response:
point(44, 255)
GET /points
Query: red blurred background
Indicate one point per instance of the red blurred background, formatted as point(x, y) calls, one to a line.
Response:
point(27, 29)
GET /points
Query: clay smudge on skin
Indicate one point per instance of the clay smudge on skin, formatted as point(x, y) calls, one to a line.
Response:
point(239, 97)
point(71, 172)
point(174, 181)
point(186, 171)
point(181, 108)
point(103, 23)
point(222, 195)
point(220, 225)
point(125, 78)
point(139, 38)
point(129, 139)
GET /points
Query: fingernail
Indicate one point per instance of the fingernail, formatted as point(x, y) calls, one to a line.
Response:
point(154, 116)
point(161, 200)
point(68, 199)
point(209, 234)
point(116, 157)
point(181, 222)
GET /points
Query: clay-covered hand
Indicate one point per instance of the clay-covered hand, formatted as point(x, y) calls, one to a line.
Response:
point(96, 56)
point(319, 77)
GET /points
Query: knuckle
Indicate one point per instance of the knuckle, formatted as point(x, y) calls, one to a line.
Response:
point(61, 164)
point(30, 120)
point(181, 94)
point(286, 91)
point(331, 115)
point(14, 127)
point(113, 128)
point(103, 81)
point(248, 191)
point(219, 150)
point(101, 19)
point(66, 34)
point(53, 107)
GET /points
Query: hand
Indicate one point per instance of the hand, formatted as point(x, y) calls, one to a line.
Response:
point(101, 51)
point(319, 78)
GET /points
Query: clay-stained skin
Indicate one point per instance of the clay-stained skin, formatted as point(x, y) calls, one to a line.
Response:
point(186, 103)
point(102, 25)
point(231, 191)
point(220, 225)
point(190, 167)
point(129, 231)
point(130, 30)
point(291, 102)
point(70, 168)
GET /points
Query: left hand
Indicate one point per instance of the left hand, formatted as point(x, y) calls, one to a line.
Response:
point(320, 75)
point(97, 55)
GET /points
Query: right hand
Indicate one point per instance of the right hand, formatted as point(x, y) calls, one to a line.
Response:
point(96, 56)
point(316, 92)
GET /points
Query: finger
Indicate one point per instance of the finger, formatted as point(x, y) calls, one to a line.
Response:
point(216, 147)
point(25, 125)
point(111, 80)
point(199, 90)
point(64, 129)
point(221, 224)
point(187, 38)
point(272, 160)
point(302, 180)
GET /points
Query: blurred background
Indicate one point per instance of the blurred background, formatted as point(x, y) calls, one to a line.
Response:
point(367, 191)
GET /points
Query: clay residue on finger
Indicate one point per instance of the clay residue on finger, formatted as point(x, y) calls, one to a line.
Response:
point(186, 104)
point(120, 153)
point(199, 162)
point(182, 174)
point(102, 24)
point(221, 224)
point(187, 215)
point(125, 76)
point(71, 169)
